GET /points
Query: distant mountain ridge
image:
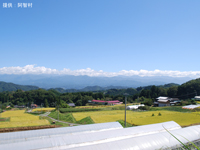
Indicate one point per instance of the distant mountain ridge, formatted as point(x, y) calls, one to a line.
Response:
point(80, 82)
point(110, 89)
point(13, 87)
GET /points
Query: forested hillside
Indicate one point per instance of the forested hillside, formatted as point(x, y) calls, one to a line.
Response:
point(4, 86)
point(48, 98)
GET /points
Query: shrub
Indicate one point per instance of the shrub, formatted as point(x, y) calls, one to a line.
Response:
point(152, 114)
point(65, 110)
point(159, 114)
point(144, 107)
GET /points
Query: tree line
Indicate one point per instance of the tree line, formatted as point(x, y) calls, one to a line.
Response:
point(148, 94)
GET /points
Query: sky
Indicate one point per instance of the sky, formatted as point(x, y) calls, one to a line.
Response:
point(100, 38)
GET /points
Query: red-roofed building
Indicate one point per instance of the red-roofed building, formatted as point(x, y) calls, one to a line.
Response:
point(34, 106)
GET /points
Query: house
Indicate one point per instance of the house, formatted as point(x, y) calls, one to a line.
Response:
point(166, 101)
point(22, 106)
point(71, 104)
point(196, 98)
point(33, 106)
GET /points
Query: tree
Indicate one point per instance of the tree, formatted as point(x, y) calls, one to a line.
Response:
point(172, 91)
point(46, 104)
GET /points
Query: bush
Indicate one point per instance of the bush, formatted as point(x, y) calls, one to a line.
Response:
point(144, 108)
point(152, 115)
point(65, 110)
point(159, 114)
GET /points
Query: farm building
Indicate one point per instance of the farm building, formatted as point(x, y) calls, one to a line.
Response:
point(71, 104)
point(166, 101)
point(34, 106)
point(100, 137)
point(196, 98)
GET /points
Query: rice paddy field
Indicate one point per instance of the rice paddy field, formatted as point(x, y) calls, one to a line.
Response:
point(43, 109)
point(141, 118)
point(19, 118)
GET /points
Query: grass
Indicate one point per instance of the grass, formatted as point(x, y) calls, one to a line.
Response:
point(68, 117)
point(56, 122)
point(64, 117)
point(19, 118)
point(123, 124)
point(86, 120)
point(141, 118)
point(5, 119)
point(170, 108)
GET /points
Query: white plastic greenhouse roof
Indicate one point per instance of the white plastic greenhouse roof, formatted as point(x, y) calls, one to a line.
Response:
point(89, 139)
point(149, 142)
point(190, 106)
point(42, 133)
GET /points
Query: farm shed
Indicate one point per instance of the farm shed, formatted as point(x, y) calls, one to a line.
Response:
point(87, 140)
point(133, 106)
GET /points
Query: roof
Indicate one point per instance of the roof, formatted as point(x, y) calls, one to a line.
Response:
point(13, 137)
point(149, 142)
point(101, 139)
point(163, 101)
point(162, 97)
point(71, 104)
point(174, 99)
point(190, 106)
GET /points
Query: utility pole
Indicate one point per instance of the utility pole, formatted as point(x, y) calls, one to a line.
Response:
point(126, 94)
point(41, 107)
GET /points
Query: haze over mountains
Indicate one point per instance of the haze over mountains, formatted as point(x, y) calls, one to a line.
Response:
point(79, 82)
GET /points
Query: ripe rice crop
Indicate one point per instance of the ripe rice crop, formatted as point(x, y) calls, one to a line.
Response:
point(43, 109)
point(19, 118)
point(141, 118)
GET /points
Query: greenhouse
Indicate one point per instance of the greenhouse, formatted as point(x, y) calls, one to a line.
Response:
point(45, 133)
point(152, 136)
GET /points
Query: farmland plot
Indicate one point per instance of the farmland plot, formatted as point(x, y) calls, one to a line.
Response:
point(19, 118)
point(141, 118)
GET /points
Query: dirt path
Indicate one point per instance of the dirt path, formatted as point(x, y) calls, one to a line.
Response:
point(70, 124)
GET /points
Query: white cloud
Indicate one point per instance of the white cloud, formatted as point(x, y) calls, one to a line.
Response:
point(33, 69)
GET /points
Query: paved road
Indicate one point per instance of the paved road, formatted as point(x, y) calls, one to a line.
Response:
point(47, 113)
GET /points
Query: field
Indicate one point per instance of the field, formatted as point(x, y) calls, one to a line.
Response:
point(141, 118)
point(43, 109)
point(19, 118)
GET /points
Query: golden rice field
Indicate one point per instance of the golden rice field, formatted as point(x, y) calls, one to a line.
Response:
point(43, 109)
point(19, 118)
point(141, 118)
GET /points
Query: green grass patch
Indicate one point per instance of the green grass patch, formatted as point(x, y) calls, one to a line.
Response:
point(66, 110)
point(170, 108)
point(68, 117)
point(56, 122)
point(86, 120)
point(122, 123)
point(5, 119)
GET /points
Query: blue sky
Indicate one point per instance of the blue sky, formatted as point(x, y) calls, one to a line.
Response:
point(107, 35)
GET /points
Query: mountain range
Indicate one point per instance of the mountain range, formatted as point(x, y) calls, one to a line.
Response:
point(80, 82)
